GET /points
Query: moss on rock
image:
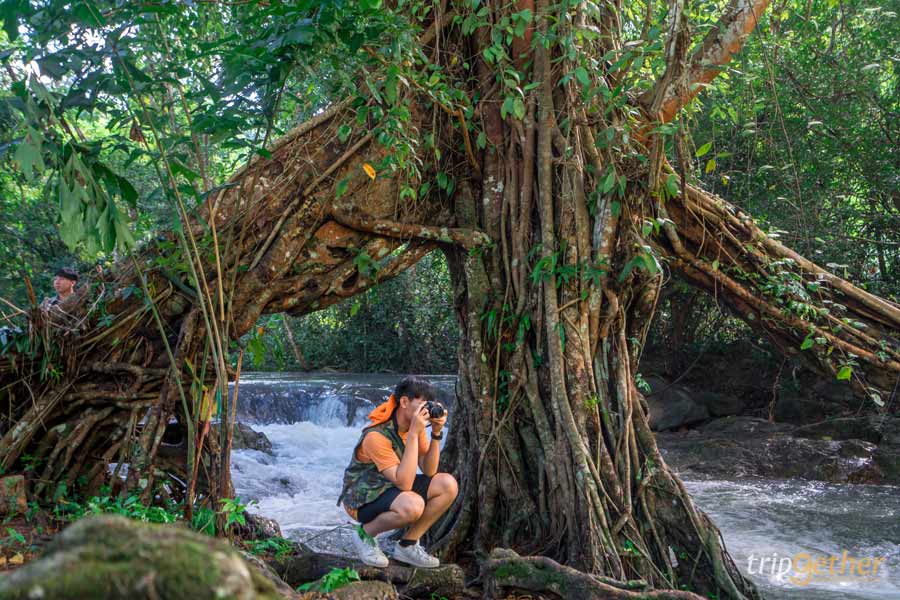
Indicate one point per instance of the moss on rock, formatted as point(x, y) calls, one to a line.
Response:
point(110, 557)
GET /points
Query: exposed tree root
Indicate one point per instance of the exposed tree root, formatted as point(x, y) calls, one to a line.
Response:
point(505, 571)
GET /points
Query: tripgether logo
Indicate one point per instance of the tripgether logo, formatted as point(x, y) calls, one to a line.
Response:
point(800, 569)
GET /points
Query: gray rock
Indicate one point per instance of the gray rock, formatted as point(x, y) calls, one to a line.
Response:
point(672, 406)
point(747, 446)
point(721, 405)
point(245, 438)
point(259, 527)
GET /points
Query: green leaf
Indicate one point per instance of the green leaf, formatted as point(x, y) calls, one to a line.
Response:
point(845, 372)
point(28, 155)
point(808, 342)
point(710, 165)
point(507, 106)
point(344, 132)
point(672, 185)
point(609, 181)
point(703, 149)
point(519, 108)
point(341, 188)
point(582, 76)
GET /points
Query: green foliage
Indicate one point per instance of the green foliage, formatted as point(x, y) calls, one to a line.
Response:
point(803, 129)
point(204, 520)
point(278, 547)
point(332, 580)
point(406, 324)
point(130, 507)
point(234, 511)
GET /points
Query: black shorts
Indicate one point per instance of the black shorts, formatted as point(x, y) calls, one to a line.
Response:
point(382, 503)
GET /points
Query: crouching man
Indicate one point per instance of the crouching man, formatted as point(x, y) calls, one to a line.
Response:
point(381, 488)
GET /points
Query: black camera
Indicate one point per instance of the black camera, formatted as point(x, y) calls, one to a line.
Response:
point(435, 409)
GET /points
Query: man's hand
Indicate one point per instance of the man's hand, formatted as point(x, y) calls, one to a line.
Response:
point(438, 424)
point(419, 420)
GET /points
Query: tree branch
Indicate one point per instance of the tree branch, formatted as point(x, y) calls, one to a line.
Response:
point(467, 238)
point(721, 43)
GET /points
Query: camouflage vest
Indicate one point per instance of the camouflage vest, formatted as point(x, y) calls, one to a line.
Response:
point(363, 482)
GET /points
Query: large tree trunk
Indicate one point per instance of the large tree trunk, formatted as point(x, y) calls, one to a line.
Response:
point(553, 232)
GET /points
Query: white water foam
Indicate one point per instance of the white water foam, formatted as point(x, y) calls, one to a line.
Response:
point(300, 485)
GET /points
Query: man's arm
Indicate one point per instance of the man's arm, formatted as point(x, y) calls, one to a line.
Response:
point(404, 474)
point(429, 462)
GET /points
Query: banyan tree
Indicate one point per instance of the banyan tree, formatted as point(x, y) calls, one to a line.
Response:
point(529, 141)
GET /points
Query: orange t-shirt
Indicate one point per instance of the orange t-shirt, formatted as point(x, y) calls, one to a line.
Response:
point(377, 448)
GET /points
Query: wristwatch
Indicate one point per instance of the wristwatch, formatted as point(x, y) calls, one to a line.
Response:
point(437, 436)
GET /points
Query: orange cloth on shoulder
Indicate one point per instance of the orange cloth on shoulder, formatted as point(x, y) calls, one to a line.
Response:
point(383, 411)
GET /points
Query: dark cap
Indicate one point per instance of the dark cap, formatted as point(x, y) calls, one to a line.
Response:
point(68, 273)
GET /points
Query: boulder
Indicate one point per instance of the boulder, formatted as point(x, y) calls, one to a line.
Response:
point(751, 447)
point(245, 438)
point(887, 457)
point(672, 406)
point(112, 557)
point(721, 405)
point(258, 527)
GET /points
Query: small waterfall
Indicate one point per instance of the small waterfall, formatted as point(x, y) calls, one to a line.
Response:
point(324, 399)
point(313, 422)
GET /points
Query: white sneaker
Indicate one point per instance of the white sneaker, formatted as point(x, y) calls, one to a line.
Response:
point(415, 555)
point(367, 549)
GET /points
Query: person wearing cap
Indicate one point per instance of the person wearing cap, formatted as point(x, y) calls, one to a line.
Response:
point(64, 283)
point(381, 489)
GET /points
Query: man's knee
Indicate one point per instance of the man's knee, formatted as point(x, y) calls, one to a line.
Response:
point(445, 483)
point(409, 505)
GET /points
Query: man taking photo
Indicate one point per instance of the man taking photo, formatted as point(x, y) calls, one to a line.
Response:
point(381, 488)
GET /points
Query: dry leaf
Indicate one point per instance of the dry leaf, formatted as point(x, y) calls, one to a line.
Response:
point(370, 171)
point(17, 559)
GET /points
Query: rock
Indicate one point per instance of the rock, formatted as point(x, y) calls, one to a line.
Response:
point(113, 558)
point(721, 405)
point(842, 428)
point(258, 527)
point(269, 573)
point(672, 406)
point(820, 397)
point(365, 590)
point(887, 457)
point(447, 580)
point(882, 430)
point(12, 495)
point(245, 438)
point(751, 447)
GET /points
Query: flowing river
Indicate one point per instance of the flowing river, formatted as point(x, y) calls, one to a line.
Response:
point(314, 420)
